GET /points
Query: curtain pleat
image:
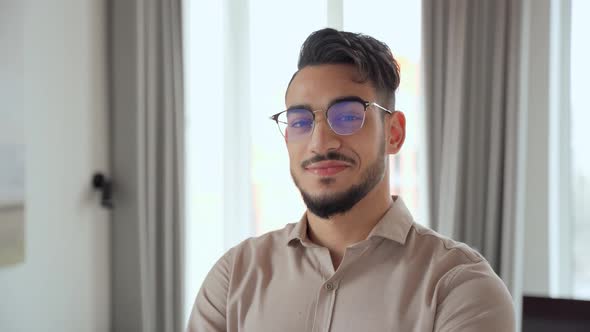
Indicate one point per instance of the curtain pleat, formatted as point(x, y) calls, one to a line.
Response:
point(160, 167)
point(471, 88)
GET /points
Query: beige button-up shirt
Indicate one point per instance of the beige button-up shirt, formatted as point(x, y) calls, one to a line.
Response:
point(403, 277)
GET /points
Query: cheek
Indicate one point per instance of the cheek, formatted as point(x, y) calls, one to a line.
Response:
point(294, 155)
point(369, 143)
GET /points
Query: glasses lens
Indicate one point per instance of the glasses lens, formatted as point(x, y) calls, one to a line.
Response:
point(296, 123)
point(346, 117)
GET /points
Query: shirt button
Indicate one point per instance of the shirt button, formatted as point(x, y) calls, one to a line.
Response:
point(329, 286)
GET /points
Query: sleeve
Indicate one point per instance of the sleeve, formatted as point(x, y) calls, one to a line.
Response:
point(473, 298)
point(209, 309)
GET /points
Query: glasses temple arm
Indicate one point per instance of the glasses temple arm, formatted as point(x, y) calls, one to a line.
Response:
point(383, 108)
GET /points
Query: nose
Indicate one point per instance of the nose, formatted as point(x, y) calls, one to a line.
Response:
point(323, 138)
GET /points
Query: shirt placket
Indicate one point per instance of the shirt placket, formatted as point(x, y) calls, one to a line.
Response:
point(325, 307)
point(327, 294)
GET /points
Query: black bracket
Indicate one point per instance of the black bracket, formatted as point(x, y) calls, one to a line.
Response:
point(105, 186)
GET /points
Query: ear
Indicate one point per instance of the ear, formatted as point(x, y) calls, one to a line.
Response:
point(396, 128)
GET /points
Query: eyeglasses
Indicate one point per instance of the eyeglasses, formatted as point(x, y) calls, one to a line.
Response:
point(345, 116)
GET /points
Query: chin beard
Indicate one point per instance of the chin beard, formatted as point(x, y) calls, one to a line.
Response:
point(328, 205)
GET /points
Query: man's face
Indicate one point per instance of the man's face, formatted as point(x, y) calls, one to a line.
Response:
point(334, 172)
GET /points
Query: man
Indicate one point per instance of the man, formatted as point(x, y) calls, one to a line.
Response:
point(356, 261)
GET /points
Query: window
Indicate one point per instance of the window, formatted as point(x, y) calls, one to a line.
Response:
point(204, 97)
point(273, 64)
point(239, 58)
point(561, 217)
point(275, 42)
point(398, 23)
point(578, 146)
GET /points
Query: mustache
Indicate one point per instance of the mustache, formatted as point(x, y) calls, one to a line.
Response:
point(332, 155)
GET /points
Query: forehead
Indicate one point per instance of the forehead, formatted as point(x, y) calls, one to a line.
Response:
point(319, 85)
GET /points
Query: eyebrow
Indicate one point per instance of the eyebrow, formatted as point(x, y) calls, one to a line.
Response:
point(332, 102)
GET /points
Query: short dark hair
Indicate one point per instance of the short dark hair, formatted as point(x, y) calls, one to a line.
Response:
point(372, 58)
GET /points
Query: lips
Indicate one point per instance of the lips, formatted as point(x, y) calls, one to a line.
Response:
point(327, 168)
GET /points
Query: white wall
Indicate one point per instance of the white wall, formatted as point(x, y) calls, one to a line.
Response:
point(63, 285)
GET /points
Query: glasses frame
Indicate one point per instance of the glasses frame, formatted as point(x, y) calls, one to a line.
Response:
point(367, 104)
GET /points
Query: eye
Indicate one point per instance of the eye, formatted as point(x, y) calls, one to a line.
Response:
point(349, 117)
point(299, 118)
point(300, 123)
point(347, 112)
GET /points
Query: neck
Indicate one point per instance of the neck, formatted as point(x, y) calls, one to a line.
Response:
point(341, 231)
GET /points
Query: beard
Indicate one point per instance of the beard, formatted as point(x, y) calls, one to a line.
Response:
point(328, 205)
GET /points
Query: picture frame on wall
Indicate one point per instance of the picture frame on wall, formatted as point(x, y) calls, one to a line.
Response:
point(12, 139)
point(12, 189)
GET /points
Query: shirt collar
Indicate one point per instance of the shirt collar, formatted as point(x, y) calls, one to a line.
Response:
point(394, 225)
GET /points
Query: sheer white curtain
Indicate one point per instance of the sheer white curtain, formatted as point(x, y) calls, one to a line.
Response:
point(238, 182)
point(399, 24)
point(580, 162)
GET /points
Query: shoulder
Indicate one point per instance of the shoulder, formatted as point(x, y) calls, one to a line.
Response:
point(451, 261)
point(240, 257)
point(273, 238)
point(472, 297)
point(467, 291)
point(262, 247)
point(452, 264)
point(442, 249)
